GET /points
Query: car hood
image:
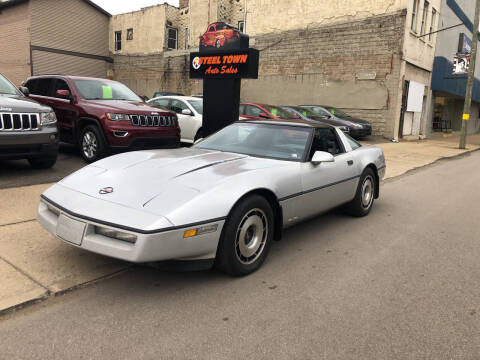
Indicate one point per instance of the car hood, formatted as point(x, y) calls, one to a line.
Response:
point(120, 106)
point(158, 181)
point(18, 103)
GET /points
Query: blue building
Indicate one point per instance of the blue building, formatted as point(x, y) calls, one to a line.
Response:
point(449, 87)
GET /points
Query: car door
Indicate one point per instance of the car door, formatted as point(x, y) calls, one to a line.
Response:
point(327, 184)
point(186, 122)
point(65, 110)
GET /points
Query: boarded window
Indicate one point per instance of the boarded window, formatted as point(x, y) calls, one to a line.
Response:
point(130, 34)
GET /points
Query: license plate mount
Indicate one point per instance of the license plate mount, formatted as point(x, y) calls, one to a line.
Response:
point(70, 230)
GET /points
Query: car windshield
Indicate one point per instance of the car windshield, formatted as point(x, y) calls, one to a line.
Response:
point(104, 90)
point(6, 87)
point(337, 112)
point(197, 105)
point(279, 112)
point(272, 141)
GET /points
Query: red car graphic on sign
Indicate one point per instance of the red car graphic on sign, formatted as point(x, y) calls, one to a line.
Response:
point(219, 34)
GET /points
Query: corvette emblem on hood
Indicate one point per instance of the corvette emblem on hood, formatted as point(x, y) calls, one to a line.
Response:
point(107, 190)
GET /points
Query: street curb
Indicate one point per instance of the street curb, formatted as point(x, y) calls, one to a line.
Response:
point(49, 294)
point(443, 158)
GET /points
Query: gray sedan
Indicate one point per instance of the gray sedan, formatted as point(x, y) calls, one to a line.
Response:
point(222, 201)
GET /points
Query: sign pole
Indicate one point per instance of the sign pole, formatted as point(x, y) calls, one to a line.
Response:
point(471, 78)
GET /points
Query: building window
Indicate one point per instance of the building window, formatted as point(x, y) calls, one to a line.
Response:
point(424, 17)
point(172, 38)
point(187, 35)
point(414, 15)
point(129, 34)
point(432, 24)
point(241, 26)
point(118, 40)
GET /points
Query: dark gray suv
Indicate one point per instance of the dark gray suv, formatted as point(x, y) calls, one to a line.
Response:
point(28, 130)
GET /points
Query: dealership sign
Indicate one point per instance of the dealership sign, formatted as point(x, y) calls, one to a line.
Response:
point(224, 64)
point(464, 44)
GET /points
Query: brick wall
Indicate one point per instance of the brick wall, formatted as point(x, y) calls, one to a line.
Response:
point(354, 66)
point(15, 43)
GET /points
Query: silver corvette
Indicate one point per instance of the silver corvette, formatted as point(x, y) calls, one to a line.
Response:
point(224, 200)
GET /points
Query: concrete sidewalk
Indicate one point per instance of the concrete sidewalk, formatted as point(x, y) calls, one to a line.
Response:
point(35, 265)
point(407, 155)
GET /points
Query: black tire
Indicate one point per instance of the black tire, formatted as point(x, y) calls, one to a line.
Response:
point(92, 144)
point(43, 163)
point(363, 203)
point(250, 217)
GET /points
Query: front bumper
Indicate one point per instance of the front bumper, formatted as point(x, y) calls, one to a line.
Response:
point(168, 244)
point(357, 132)
point(26, 144)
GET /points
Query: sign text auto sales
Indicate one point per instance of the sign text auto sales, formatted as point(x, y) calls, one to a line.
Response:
point(224, 65)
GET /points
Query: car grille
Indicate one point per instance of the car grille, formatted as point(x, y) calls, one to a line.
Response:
point(152, 120)
point(18, 122)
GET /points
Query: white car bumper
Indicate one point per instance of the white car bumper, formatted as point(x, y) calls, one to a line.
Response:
point(168, 244)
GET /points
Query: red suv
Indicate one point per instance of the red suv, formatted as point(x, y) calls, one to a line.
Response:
point(100, 115)
point(264, 111)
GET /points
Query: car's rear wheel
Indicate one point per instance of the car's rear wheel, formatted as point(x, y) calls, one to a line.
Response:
point(92, 144)
point(43, 163)
point(365, 195)
point(246, 237)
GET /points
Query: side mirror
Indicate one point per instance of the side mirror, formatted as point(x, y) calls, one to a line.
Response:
point(187, 112)
point(321, 156)
point(24, 90)
point(263, 116)
point(326, 117)
point(64, 94)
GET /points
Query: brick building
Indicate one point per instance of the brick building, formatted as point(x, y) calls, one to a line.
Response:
point(373, 59)
point(50, 36)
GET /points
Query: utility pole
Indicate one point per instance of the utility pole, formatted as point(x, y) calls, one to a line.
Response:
point(471, 78)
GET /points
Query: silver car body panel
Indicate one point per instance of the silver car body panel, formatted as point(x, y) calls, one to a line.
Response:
point(159, 194)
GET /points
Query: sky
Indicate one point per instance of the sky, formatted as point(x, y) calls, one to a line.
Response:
point(115, 7)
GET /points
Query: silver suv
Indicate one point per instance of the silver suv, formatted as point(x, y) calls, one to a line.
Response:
point(28, 130)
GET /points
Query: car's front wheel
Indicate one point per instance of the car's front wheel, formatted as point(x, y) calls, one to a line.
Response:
point(218, 44)
point(43, 163)
point(246, 237)
point(365, 195)
point(92, 144)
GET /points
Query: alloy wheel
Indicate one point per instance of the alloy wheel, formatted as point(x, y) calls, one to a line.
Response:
point(251, 236)
point(89, 144)
point(367, 192)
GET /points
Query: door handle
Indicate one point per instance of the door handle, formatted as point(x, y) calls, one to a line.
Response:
point(350, 162)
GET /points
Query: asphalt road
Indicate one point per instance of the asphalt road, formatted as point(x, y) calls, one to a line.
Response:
point(15, 173)
point(399, 284)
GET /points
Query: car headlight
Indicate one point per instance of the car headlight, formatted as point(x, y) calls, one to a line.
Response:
point(48, 118)
point(118, 117)
point(356, 125)
point(117, 235)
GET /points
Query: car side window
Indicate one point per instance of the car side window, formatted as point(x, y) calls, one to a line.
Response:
point(252, 110)
point(161, 102)
point(241, 110)
point(325, 140)
point(60, 85)
point(43, 87)
point(31, 85)
point(322, 112)
point(178, 106)
point(211, 29)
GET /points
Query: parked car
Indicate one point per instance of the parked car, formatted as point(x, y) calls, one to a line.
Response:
point(264, 111)
point(28, 130)
point(358, 128)
point(224, 200)
point(219, 34)
point(100, 115)
point(165, 93)
point(189, 112)
point(307, 114)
